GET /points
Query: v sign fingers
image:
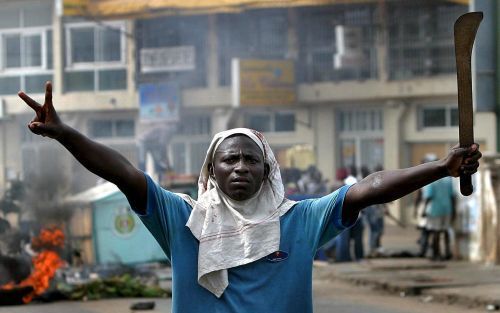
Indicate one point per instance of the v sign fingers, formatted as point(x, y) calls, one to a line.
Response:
point(46, 122)
point(31, 103)
point(48, 95)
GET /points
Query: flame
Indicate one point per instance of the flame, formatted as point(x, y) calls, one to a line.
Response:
point(8, 286)
point(45, 263)
point(49, 238)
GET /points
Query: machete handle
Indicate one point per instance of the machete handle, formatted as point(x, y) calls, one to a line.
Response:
point(466, 187)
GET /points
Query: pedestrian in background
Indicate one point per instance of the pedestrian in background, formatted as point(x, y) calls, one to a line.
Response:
point(374, 216)
point(419, 212)
point(440, 212)
point(349, 244)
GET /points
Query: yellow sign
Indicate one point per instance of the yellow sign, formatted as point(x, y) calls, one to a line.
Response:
point(114, 9)
point(263, 82)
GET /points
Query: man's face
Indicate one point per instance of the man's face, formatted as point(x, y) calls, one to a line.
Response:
point(239, 168)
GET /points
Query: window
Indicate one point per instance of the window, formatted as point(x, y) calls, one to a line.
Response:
point(318, 42)
point(111, 128)
point(95, 57)
point(125, 128)
point(177, 32)
point(360, 120)
point(188, 157)
point(26, 59)
point(194, 125)
point(254, 34)
point(284, 122)
point(259, 122)
point(443, 116)
point(101, 129)
point(361, 137)
point(271, 122)
point(91, 45)
point(420, 38)
point(189, 144)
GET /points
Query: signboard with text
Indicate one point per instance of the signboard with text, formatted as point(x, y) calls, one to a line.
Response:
point(263, 82)
point(159, 102)
point(167, 59)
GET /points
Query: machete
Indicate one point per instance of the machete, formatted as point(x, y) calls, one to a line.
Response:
point(465, 32)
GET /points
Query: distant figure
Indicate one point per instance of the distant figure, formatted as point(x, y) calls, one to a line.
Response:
point(329, 248)
point(311, 182)
point(419, 207)
point(351, 238)
point(290, 176)
point(352, 178)
point(440, 211)
point(374, 216)
point(419, 214)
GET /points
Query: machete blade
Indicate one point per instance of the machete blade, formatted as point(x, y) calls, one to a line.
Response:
point(465, 30)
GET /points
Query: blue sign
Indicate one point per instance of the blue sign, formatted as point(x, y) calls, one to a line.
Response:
point(159, 101)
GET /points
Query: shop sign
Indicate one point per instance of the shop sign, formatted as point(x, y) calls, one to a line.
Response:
point(263, 82)
point(167, 59)
point(159, 102)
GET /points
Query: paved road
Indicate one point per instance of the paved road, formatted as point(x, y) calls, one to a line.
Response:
point(343, 297)
point(330, 297)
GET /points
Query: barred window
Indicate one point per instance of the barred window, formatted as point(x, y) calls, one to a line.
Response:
point(26, 59)
point(95, 57)
point(271, 121)
point(318, 45)
point(421, 38)
point(437, 116)
point(253, 34)
point(108, 128)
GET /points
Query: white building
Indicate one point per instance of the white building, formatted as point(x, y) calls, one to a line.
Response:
point(373, 83)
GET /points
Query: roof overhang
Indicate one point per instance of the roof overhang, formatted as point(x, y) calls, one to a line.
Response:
point(115, 9)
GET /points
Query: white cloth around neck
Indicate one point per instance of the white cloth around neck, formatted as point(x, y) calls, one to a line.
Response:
point(233, 233)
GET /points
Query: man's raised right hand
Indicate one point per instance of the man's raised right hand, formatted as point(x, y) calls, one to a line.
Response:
point(46, 121)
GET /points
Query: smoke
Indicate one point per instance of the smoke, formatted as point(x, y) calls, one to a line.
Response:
point(47, 182)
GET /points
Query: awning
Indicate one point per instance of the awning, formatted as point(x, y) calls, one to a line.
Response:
point(110, 9)
point(93, 194)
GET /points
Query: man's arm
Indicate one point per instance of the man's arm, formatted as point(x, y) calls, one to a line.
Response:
point(97, 158)
point(108, 164)
point(386, 186)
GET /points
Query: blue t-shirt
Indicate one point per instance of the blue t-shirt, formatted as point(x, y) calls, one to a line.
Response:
point(266, 285)
point(441, 195)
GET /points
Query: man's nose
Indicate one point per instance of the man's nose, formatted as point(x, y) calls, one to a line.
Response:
point(241, 166)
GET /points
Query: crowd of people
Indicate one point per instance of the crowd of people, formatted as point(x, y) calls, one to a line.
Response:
point(434, 212)
point(348, 246)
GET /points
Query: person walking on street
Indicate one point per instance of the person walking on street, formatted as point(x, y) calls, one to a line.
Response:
point(419, 212)
point(349, 244)
point(374, 216)
point(241, 246)
point(440, 212)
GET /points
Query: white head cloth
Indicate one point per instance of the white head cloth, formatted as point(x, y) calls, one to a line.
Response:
point(232, 233)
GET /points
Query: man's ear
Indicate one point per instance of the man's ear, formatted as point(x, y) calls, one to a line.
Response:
point(211, 170)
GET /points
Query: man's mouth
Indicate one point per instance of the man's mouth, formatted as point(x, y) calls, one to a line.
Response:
point(241, 180)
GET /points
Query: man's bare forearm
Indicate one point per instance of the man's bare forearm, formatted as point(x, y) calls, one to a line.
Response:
point(386, 186)
point(97, 158)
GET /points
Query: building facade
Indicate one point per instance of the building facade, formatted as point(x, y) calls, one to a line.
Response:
point(360, 84)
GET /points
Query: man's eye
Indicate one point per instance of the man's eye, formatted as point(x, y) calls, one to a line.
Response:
point(230, 160)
